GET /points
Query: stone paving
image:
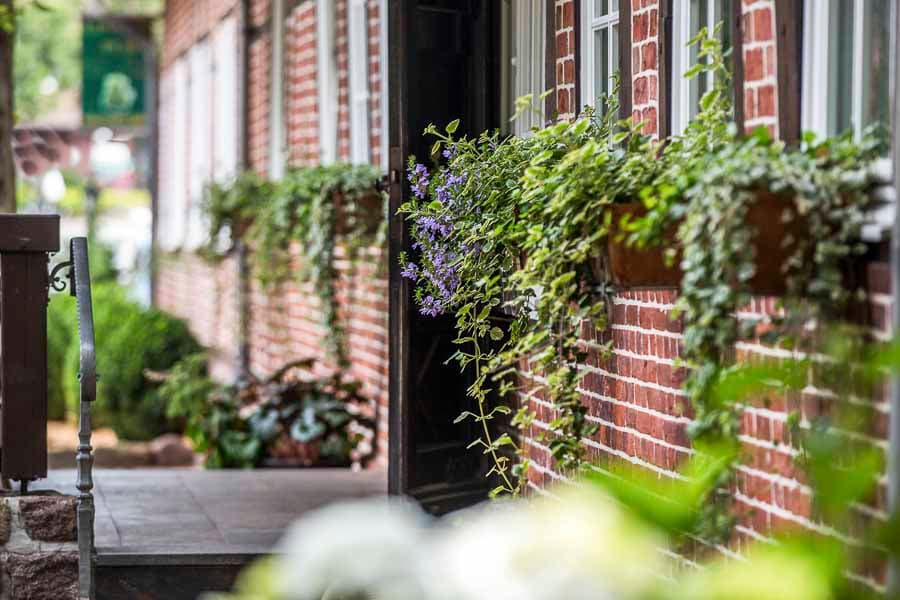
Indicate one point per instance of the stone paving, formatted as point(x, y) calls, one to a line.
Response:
point(172, 512)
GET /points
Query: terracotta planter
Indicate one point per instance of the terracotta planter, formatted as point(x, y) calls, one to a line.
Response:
point(631, 267)
point(287, 450)
point(368, 207)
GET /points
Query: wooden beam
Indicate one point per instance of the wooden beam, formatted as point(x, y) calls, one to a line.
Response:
point(737, 62)
point(664, 68)
point(29, 233)
point(23, 364)
point(789, 41)
point(550, 78)
point(625, 67)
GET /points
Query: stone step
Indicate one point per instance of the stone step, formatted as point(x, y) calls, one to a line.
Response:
point(124, 575)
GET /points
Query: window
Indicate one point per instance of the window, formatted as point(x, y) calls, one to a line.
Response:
point(327, 82)
point(176, 186)
point(846, 65)
point(277, 134)
point(383, 21)
point(168, 163)
point(688, 18)
point(200, 119)
point(526, 22)
point(358, 42)
point(600, 49)
point(226, 111)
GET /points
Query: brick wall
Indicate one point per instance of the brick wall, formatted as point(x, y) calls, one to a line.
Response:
point(635, 396)
point(284, 324)
point(644, 64)
point(760, 65)
point(187, 21)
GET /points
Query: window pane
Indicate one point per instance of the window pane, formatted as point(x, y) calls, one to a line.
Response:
point(841, 66)
point(601, 7)
point(876, 67)
point(601, 66)
point(614, 51)
point(696, 85)
point(724, 15)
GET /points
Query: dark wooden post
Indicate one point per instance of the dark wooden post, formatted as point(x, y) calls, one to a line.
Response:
point(25, 241)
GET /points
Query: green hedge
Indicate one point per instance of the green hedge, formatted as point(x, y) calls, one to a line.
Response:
point(129, 339)
point(62, 329)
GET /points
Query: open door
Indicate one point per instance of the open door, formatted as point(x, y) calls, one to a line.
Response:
point(444, 65)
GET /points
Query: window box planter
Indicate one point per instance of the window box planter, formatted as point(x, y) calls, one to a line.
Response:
point(627, 266)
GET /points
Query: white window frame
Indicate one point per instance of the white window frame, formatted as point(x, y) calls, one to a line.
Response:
point(383, 21)
point(201, 137)
point(326, 72)
point(358, 81)
point(277, 129)
point(226, 112)
point(818, 87)
point(177, 201)
point(684, 107)
point(527, 60)
point(590, 24)
point(167, 200)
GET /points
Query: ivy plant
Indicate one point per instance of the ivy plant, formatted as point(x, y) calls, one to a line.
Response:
point(514, 224)
point(313, 210)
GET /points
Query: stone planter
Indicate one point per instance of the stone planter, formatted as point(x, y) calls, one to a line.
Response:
point(38, 549)
point(631, 267)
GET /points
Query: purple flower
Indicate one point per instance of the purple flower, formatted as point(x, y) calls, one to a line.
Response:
point(410, 271)
point(419, 178)
point(431, 307)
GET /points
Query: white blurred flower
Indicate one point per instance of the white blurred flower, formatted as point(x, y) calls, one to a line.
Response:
point(580, 548)
point(364, 548)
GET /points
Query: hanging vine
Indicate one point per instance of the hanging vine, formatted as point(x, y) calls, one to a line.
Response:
point(312, 210)
point(514, 224)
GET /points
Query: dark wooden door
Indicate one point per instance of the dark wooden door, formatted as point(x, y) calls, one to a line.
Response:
point(444, 65)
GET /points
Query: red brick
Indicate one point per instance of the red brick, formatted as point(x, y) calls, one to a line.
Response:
point(753, 64)
point(766, 101)
point(648, 56)
point(641, 93)
point(762, 25)
point(569, 15)
point(639, 28)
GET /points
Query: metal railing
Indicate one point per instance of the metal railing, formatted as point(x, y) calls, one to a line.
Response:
point(80, 284)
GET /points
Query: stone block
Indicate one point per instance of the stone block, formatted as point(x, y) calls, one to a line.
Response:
point(49, 518)
point(5, 522)
point(42, 576)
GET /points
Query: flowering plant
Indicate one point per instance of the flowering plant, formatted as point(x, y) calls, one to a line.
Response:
point(515, 223)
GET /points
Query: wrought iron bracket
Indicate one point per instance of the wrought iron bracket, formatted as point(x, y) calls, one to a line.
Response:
point(59, 280)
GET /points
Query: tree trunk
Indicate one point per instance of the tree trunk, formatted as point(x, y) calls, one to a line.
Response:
point(7, 164)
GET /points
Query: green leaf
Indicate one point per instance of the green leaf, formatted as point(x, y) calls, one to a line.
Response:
point(496, 334)
point(452, 126)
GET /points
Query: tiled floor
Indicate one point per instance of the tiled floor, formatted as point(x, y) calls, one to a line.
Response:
point(173, 512)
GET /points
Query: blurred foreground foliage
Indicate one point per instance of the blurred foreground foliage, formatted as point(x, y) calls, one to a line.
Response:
point(130, 338)
point(612, 533)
